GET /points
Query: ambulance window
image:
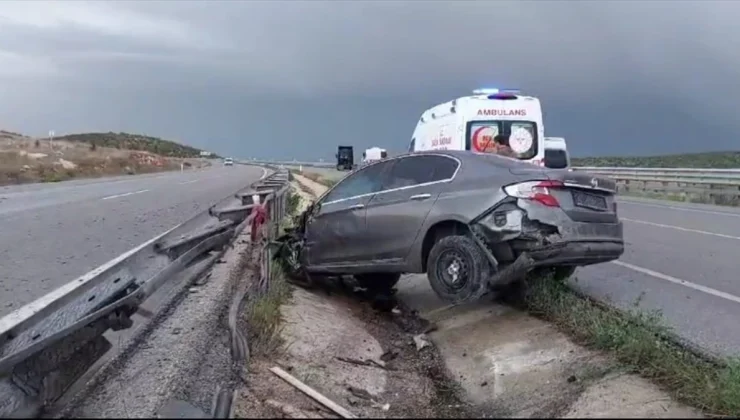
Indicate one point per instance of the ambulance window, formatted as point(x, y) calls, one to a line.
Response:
point(522, 136)
point(556, 158)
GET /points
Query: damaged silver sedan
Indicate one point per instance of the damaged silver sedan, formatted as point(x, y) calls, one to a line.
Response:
point(472, 222)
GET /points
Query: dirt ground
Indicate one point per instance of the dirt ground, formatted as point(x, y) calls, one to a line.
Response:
point(24, 159)
point(359, 351)
point(412, 355)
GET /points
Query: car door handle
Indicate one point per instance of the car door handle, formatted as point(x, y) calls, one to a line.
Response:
point(420, 196)
point(357, 207)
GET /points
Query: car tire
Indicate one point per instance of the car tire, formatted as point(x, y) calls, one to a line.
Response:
point(468, 256)
point(378, 282)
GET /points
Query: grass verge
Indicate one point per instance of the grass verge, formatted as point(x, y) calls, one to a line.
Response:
point(263, 311)
point(313, 176)
point(638, 341)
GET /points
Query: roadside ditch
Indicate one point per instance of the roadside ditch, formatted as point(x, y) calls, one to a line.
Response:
point(542, 350)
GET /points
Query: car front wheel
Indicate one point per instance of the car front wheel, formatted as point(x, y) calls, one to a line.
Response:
point(458, 270)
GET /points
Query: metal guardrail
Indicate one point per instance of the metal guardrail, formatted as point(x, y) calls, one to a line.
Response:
point(48, 344)
point(715, 186)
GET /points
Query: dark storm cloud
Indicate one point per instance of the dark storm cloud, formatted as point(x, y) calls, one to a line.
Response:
point(295, 78)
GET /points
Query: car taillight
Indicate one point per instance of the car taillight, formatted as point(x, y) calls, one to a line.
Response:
point(538, 191)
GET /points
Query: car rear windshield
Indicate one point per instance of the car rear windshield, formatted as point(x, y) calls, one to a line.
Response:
point(522, 137)
point(556, 158)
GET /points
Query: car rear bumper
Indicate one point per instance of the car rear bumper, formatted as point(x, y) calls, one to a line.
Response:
point(578, 252)
point(582, 244)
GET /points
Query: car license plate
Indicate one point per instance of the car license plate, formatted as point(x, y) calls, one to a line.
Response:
point(589, 201)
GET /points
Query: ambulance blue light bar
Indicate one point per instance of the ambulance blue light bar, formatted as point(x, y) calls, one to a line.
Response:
point(494, 91)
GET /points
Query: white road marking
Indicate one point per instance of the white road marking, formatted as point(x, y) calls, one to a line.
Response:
point(124, 195)
point(264, 174)
point(661, 206)
point(666, 277)
point(24, 313)
point(703, 232)
point(189, 182)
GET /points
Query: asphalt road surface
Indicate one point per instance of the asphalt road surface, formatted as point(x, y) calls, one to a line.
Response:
point(52, 233)
point(681, 259)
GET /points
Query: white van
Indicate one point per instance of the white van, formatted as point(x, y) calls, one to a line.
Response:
point(471, 123)
point(556, 153)
point(372, 154)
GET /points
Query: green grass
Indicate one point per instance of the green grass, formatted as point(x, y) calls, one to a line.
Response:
point(638, 342)
point(263, 313)
point(264, 317)
point(719, 160)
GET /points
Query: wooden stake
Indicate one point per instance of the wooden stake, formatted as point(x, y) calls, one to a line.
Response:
point(287, 377)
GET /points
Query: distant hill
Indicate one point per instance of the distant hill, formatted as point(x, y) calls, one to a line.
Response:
point(140, 142)
point(25, 159)
point(717, 160)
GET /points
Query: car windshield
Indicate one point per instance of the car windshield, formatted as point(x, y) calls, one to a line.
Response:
point(522, 137)
point(556, 158)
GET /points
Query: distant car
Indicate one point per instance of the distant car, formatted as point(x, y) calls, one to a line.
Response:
point(556, 153)
point(470, 221)
point(228, 162)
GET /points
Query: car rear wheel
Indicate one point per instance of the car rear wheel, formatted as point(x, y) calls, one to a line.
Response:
point(458, 270)
point(378, 282)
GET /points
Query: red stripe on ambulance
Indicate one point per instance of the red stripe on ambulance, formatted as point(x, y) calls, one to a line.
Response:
point(503, 112)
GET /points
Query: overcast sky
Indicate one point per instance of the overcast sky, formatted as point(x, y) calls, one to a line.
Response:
point(288, 79)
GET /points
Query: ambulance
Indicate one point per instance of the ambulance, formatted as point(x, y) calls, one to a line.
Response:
point(472, 122)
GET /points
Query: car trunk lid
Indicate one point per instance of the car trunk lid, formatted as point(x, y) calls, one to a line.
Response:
point(586, 197)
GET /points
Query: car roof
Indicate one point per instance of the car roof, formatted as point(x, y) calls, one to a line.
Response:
point(468, 158)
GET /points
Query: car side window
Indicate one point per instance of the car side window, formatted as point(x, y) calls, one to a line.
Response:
point(444, 167)
point(365, 181)
point(411, 170)
point(415, 170)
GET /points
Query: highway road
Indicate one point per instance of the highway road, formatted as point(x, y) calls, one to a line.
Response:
point(52, 233)
point(681, 259)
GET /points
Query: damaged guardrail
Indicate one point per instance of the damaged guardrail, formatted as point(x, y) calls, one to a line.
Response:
point(48, 344)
